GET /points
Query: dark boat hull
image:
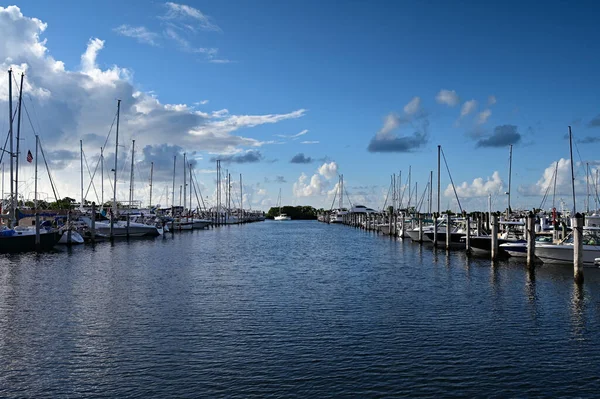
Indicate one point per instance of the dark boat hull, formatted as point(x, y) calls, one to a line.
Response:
point(455, 239)
point(484, 244)
point(26, 243)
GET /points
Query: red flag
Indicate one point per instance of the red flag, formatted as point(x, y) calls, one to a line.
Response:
point(29, 156)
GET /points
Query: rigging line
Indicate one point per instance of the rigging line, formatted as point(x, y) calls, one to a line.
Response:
point(91, 180)
point(194, 174)
point(334, 197)
point(348, 196)
point(7, 137)
point(547, 191)
point(403, 192)
point(451, 181)
point(52, 184)
point(422, 198)
point(386, 197)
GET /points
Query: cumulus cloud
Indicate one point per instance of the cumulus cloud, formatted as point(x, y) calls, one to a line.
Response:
point(385, 140)
point(478, 188)
point(468, 107)
point(483, 116)
point(318, 183)
point(502, 137)
point(140, 33)
point(80, 103)
point(413, 106)
point(448, 97)
point(563, 179)
point(250, 156)
point(300, 158)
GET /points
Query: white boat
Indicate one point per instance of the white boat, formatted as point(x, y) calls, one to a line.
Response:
point(75, 238)
point(337, 216)
point(120, 228)
point(563, 253)
point(281, 216)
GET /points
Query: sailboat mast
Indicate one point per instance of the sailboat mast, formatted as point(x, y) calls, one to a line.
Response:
point(113, 214)
point(241, 197)
point(430, 190)
point(18, 146)
point(173, 191)
point(409, 188)
point(131, 175)
point(102, 177)
point(572, 171)
point(184, 180)
point(35, 201)
point(81, 168)
point(587, 185)
point(10, 117)
point(438, 180)
point(191, 186)
point(508, 210)
point(151, 173)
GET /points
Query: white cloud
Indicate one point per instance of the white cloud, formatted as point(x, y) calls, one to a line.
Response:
point(183, 12)
point(203, 102)
point(318, 183)
point(293, 136)
point(468, 107)
point(478, 188)
point(140, 33)
point(309, 142)
point(412, 106)
point(69, 104)
point(483, 116)
point(448, 97)
point(491, 100)
point(563, 179)
point(328, 170)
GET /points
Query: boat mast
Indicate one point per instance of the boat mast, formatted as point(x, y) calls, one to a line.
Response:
point(508, 210)
point(114, 210)
point(587, 186)
point(438, 181)
point(430, 190)
point(35, 198)
point(131, 176)
point(409, 189)
point(173, 191)
point(184, 181)
point(341, 188)
point(228, 194)
point(191, 186)
point(18, 146)
point(241, 197)
point(102, 177)
point(81, 167)
point(572, 171)
point(151, 172)
point(10, 116)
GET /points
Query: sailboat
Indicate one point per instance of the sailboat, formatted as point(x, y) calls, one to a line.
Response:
point(22, 238)
point(121, 228)
point(281, 216)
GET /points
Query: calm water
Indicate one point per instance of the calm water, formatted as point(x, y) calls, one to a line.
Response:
point(292, 309)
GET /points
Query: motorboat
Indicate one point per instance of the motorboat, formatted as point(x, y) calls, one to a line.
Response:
point(282, 216)
point(562, 253)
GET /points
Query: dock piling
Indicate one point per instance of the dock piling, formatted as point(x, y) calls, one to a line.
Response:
point(577, 224)
point(494, 226)
point(530, 230)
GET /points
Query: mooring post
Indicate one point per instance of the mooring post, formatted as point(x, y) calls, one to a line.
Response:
point(468, 238)
point(479, 224)
point(435, 230)
point(448, 231)
point(420, 228)
point(530, 230)
point(577, 225)
point(494, 222)
point(93, 232)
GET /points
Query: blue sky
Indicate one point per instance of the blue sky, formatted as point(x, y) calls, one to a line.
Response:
point(401, 76)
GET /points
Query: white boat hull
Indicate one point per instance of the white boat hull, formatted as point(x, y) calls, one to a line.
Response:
point(563, 254)
point(76, 238)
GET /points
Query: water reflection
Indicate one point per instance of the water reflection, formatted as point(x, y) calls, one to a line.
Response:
point(578, 311)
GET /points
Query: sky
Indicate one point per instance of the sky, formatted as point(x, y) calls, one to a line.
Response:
point(292, 94)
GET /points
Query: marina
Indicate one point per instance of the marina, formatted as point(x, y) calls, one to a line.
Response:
point(360, 314)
